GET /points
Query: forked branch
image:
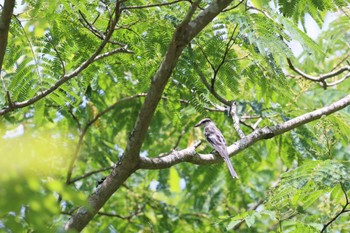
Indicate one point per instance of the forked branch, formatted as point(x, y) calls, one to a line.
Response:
point(323, 77)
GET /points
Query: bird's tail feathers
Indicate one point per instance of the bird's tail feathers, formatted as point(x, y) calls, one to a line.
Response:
point(230, 167)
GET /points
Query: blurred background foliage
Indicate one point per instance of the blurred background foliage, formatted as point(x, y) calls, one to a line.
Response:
point(295, 182)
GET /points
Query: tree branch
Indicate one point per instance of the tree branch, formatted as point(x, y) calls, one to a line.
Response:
point(228, 47)
point(110, 53)
point(235, 119)
point(129, 162)
point(210, 86)
point(321, 78)
point(138, 211)
point(153, 5)
point(343, 210)
point(90, 174)
point(211, 90)
point(234, 7)
point(85, 129)
point(5, 20)
point(78, 70)
point(254, 207)
point(190, 155)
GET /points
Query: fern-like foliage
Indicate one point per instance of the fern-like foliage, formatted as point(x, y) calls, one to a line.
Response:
point(299, 8)
point(302, 187)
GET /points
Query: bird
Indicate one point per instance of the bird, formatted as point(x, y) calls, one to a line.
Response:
point(217, 141)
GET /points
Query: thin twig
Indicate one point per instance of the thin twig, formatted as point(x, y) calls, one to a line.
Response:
point(210, 86)
point(338, 81)
point(78, 70)
point(75, 157)
point(234, 7)
point(90, 174)
point(343, 210)
point(138, 211)
point(321, 78)
point(228, 47)
point(153, 5)
point(58, 55)
point(235, 119)
point(75, 118)
point(261, 11)
point(183, 131)
point(31, 48)
point(207, 85)
point(341, 61)
point(110, 53)
point(85, 129)
point(254, 207)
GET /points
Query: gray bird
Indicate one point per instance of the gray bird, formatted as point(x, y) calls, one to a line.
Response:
point(217, 141)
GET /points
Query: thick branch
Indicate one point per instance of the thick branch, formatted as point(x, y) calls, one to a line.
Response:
point(190, 155)
point(129, 163)
point(5, 20)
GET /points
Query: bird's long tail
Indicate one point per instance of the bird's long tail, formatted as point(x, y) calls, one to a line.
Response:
point(230, 167)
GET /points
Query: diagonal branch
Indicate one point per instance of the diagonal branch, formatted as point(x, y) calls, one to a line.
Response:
point(343, 210)
point(210, 86)
point(129, 162)
point(212, 90)
point(228, 47)
point(190, 155)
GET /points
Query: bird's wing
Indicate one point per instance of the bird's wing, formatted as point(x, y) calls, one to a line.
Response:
point(216, 140)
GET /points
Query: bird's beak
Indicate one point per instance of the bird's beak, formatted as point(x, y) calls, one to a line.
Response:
point(198, 124)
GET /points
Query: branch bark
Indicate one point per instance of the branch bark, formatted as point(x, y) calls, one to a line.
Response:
point(322, 78)
point(190, 155)
point(5, 20)
point(129, 163)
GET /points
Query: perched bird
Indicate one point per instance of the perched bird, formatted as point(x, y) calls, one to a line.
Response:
point(217, 141)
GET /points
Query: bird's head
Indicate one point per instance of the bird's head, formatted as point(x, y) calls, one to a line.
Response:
point(203, 122)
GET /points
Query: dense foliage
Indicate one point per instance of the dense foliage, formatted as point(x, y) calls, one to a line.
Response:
point(56, 148)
